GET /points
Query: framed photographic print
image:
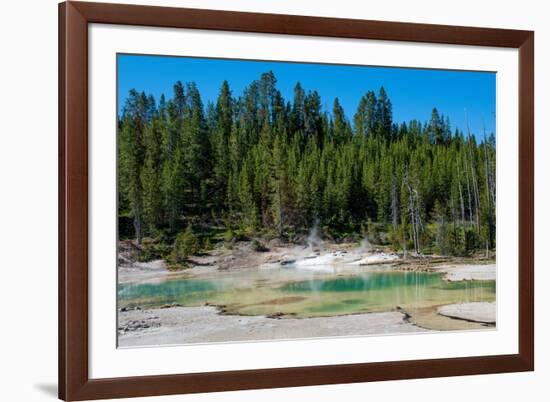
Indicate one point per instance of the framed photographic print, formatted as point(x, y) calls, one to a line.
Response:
point(260, 200)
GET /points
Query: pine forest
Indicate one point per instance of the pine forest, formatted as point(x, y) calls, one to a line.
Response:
point(255, 166)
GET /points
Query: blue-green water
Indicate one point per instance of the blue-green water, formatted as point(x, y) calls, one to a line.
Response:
point(293, 291)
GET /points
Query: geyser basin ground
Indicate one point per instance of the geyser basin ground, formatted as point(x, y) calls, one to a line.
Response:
point(293, 301)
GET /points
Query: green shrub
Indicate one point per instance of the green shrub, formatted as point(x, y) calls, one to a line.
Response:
point(228, 236)
point(258, 246)
point(186, 244)
point(241, 234)
point(207, 244)
point(375, 233)
point(398, 238)
point(152, 251)
point(471, 240)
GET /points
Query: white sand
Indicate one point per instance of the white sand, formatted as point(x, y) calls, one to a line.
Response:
point(327, 259)
point(142, 271)
point(378, 258)
point(477, 312)
point(180, 325)
point(472, 272)
point(339, 258)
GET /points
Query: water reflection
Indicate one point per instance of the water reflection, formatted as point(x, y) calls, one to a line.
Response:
point(293, 291)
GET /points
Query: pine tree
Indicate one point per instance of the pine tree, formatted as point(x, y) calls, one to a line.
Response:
point(196, 148)
point(137, 111)
point(383, 115)
point(268, 166)
point(341, 130)
point(150, 179)
point(221, 132)
point(297, 116)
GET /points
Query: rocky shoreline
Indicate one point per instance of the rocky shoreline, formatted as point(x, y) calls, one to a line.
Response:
point(242, 257)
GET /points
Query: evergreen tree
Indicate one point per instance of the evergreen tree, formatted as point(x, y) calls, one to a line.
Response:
point(270, 167)
point(196, 148)
point(297, 117)
point(137, 110)
point(222, 128)
point(383, 115)
point(341, 130)
point(150, 179)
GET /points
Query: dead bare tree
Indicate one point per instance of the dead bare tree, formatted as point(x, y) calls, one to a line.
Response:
point(474, 181)
point(394, 203)
point(414, 212)
point(473, 172)
point(460, 192)
point(488, 178)
point(464, 158)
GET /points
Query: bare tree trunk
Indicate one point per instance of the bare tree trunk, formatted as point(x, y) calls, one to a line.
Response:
point(493, 185)
point(460, 192)
point(394, 204)
point(468, 188)
point(419, 226)
point(474, 180)
point(137, 226)
point(280, 217)
point(490, 199)
point(486, 170)
point(413, 221)
point(414, 213)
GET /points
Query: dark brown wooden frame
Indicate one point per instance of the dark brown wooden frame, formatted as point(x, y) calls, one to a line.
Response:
point(74, 17)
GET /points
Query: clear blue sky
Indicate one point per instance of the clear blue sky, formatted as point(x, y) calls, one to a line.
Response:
point(413, 92)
